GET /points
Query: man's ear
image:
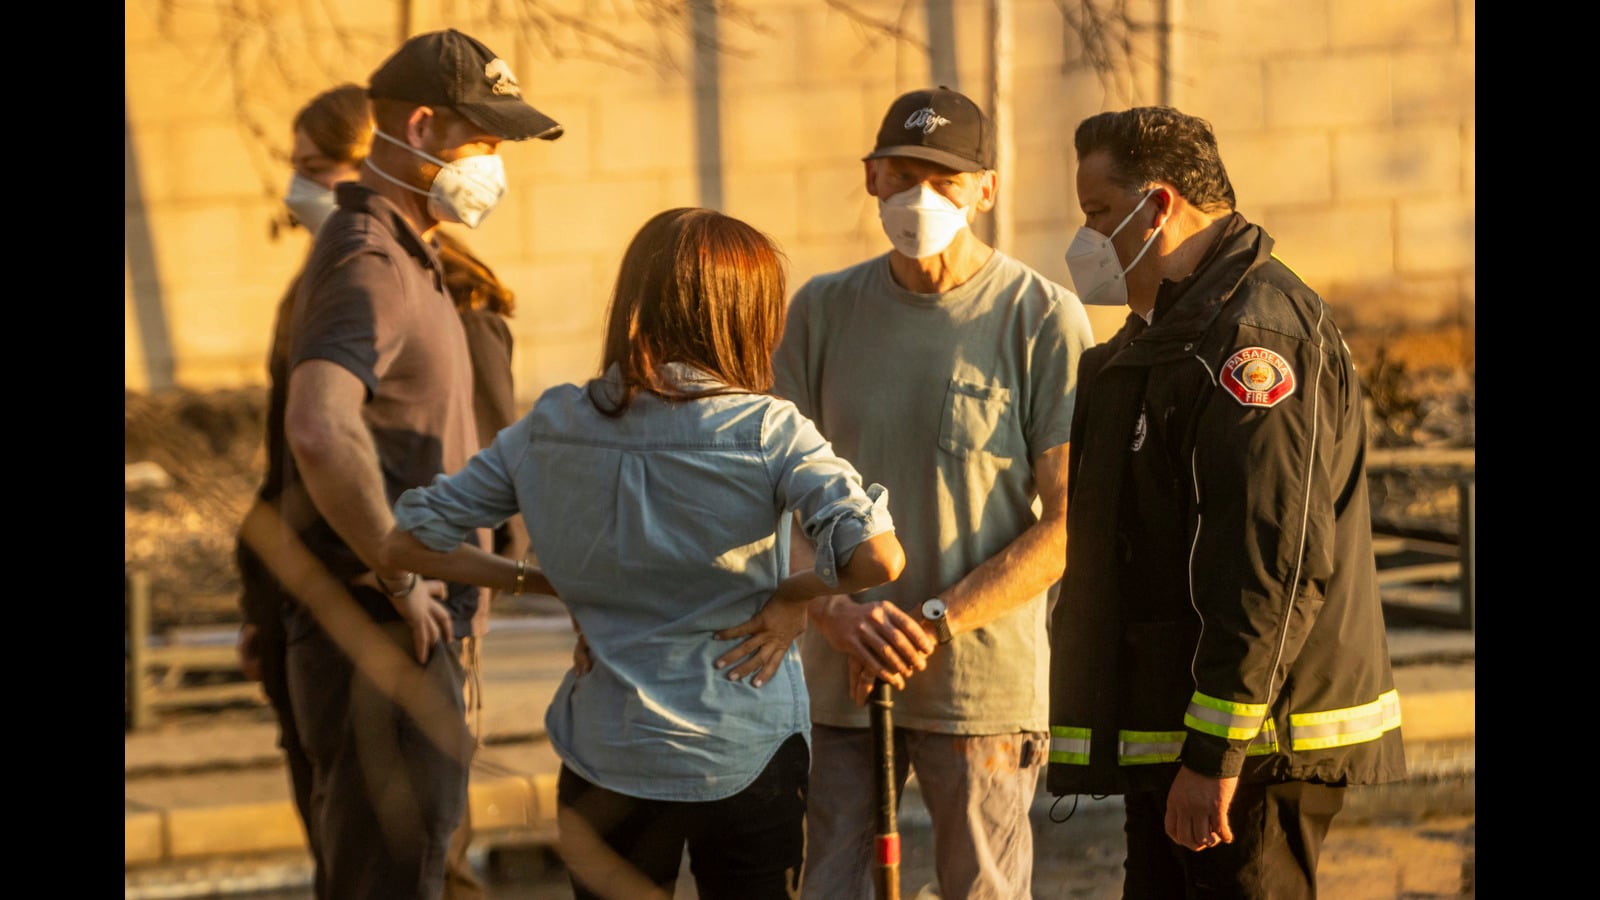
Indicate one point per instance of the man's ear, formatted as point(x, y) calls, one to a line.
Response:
point(866, 170)
point(1163, 199)
point(418, 125)
point(988, 190)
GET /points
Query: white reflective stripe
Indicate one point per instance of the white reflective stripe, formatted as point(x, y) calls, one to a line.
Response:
point(1341, 727)
point(1308, 731)
point(1234, 721)
point(1264, 742)
point(1069, 745)
point(1135, 748)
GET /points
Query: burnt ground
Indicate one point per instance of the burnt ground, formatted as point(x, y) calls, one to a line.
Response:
point(195, 460)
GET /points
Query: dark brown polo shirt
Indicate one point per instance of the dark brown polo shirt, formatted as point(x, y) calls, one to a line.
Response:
point(372, 299)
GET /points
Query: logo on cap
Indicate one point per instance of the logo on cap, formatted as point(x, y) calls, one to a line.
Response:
point(925, 119)
point(501, 81)
point(1256, 376)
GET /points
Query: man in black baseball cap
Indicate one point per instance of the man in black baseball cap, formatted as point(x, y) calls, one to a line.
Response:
point(442, 104)
point(926, 135)
point(455, 70)
point(380, 399)
point(945, 370)
point(938, 125)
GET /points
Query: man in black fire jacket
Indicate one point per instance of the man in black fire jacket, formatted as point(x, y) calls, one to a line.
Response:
point(1218, 647)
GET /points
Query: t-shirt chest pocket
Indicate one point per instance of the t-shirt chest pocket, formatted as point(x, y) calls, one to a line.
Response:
point(976, 420)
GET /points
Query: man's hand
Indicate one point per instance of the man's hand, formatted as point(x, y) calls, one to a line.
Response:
point(1197, 809)
point(861, 681)
point(881, 637)
point(249, 648)
point(429, 619)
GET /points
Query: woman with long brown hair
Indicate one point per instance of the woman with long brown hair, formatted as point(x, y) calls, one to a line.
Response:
point(657, 499)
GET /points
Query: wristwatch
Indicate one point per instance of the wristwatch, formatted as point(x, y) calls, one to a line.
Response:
point(934, 611)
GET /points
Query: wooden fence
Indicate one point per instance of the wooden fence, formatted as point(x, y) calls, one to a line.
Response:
point(174, 669)
point(1426, 575)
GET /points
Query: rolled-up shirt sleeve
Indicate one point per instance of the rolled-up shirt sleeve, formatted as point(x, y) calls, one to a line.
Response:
point(837, 512)
point(482, 494)
point(838, 530)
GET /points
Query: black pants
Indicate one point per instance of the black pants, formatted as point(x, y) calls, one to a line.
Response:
point(746, 847)
point(388, 788)
point(274, 655)
point(1277, 835)
point(461, 883)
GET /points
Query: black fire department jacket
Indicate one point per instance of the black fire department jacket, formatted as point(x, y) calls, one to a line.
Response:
point(1220, 604)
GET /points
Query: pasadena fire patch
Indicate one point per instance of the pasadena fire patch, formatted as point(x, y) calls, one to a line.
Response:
point(1256, 376)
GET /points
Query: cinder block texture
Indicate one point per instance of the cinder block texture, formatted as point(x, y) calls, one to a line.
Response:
point(1328, 245)
point(1435, 84)
point(1364, 24)
point(1278, 167)
point(1437, 236)
point(767, 200)
point(1260, 28)
point(1229, 93)
point(1342, 111)
point(1400, 163)
point(1324, 92)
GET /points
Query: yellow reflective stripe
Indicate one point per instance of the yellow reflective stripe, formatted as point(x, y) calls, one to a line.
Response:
point(1234, 721)
point(1275, 256)
point(1342, 727)
point(1136, 748)
point(1069, 745)
point(1265, 742)
point(1308, 731)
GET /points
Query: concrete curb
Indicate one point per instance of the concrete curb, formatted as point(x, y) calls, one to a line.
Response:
point(176, 820)
point(200, 799)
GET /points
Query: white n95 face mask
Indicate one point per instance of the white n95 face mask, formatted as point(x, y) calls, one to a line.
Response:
point(464, 191)
point(1097, 275)
point(468, 189)
point(310, 203)
point(920, 221)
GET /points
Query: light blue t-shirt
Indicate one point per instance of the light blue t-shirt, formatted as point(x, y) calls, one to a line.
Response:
point(659, 528)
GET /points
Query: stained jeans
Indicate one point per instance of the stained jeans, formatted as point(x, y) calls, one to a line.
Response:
point(978, 790)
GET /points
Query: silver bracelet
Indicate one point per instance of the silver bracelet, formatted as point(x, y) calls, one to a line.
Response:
point(411, 585)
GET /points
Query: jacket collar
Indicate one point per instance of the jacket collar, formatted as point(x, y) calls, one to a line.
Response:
point(1187, 307)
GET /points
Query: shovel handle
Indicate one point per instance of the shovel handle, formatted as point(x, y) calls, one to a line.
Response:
point(886, 878)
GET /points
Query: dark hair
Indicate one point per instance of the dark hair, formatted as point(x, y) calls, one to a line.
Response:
point(695, 287)
point(1158, 143)
point(472, 284)
point(339, 122)
point(393, 115)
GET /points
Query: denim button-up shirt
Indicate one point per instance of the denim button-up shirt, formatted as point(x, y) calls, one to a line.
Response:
point(658, 528)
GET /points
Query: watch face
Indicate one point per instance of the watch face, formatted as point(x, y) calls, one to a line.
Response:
point(933, 609)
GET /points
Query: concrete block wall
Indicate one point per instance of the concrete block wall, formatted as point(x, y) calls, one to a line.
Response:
point(1348, 130)
point(1347, 126)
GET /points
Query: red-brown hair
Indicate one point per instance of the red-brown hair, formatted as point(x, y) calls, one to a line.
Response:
point(696, 287)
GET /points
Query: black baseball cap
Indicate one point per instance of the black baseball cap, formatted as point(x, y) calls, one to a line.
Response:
point(940, 126)
point(448, 68)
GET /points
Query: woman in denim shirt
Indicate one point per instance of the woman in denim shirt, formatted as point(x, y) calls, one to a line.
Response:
point(657, 499)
